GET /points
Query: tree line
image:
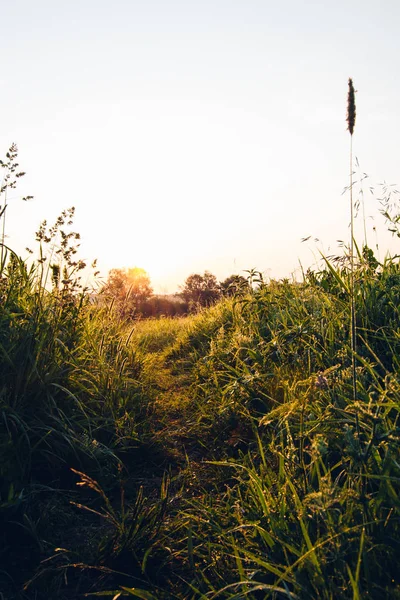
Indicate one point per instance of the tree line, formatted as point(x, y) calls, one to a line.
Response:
point(131, 293)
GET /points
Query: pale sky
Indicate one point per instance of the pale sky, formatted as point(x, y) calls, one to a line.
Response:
point(199, 135)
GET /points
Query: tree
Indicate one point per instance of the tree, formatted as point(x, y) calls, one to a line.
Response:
point(139, 284)
point(129, 289)
point(201, 290)
point(234, 285)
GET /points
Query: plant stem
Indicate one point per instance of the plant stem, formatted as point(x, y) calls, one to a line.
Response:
point(353, 326)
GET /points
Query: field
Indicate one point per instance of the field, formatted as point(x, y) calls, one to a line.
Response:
point(250, 450)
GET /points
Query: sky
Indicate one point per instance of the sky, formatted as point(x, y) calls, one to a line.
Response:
point(196, 136)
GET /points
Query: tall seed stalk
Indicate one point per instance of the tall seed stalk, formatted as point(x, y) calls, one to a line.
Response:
point(9, 181)
point(351, 119)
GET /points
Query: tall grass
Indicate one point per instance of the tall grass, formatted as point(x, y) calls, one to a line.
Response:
point(250, 451)
point(69, 390)
point(351, 119)
point(311, 490)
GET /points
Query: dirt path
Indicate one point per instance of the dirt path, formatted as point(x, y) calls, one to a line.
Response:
point(169, 414)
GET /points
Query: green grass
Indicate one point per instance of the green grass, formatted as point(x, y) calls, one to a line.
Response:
point(217, 456)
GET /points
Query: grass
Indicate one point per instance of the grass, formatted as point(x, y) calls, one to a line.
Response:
point(221, 455)
point(246, 408)
point(246, 452)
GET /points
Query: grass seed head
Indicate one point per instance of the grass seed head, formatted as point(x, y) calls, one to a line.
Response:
point(351, 108)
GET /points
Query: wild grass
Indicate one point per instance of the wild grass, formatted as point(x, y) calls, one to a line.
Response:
point(69, 392)
point(307, 507)
point(156, 335)
point(280, 485)
point(249, 451)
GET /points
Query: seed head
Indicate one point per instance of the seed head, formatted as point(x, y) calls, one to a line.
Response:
point(351, 108)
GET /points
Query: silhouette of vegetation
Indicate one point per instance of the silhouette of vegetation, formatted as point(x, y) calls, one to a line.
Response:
point(131, 293)
point(128, 289)
point(201, 290)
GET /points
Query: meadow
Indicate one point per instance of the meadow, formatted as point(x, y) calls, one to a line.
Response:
point(247, 451)
point(219, 455)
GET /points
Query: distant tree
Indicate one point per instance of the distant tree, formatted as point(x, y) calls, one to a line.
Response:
point(139, 283)
point(201, 290)
point(129, 289)
point(234, 285)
